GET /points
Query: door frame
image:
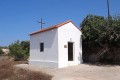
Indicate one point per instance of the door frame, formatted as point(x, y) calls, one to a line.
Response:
point(73, 50)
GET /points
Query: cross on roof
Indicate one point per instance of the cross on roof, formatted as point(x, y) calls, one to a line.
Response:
point(41, 23)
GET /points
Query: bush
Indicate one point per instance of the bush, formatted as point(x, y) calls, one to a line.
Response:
point(6, 68)
point(22, 74)
point(9, 72)
point(19, 50)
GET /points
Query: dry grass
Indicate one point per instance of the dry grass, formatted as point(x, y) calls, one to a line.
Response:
point(9, 72)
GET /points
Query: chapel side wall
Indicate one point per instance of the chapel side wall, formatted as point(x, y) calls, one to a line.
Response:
point(49, 57)
point(69, 33)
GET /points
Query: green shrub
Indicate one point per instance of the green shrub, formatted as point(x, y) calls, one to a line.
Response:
point(19, 50)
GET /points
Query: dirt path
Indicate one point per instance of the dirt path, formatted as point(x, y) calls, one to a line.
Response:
point(80, 72)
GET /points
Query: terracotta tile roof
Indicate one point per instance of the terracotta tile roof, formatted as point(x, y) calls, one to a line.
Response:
point(53, 27)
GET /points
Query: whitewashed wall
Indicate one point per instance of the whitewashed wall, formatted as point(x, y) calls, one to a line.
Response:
point(69, 33)
point(49, 57)
point(55, 55)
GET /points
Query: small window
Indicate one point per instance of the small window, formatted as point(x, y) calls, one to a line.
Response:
point(41, 47)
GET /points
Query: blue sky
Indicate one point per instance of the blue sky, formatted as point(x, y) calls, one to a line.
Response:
point(18, 18)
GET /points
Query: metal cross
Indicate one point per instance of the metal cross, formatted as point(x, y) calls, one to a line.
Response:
point(41, 23)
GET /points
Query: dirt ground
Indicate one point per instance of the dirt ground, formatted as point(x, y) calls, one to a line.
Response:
point(80, 72)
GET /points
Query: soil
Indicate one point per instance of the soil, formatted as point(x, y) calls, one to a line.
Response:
point(80, 72)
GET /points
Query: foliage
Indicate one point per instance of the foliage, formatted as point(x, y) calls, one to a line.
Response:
point(98, 34)
point(91, 29)
point(5, 47)
point(1, 52)
point(25, 47)
point(19, 50)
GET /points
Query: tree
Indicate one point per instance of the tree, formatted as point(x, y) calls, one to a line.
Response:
point(25, 46)
point(16, 50)
point(19, 50)
point(98, 37)
point(91, 31)
point(92, 27)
